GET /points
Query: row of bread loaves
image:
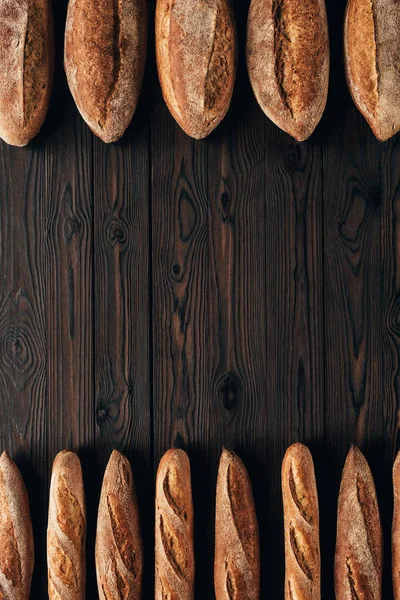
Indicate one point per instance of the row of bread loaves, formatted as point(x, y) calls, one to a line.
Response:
point(196, 50)
point(119, 553)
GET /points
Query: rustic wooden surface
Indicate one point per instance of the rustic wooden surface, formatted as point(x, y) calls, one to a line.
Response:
point(243, 291)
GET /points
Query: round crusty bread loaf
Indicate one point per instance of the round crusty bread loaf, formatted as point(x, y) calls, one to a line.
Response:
point(119, 552)
point(16, 548)
point(104, 59)
point(26, 68)
point(288, 62)
point(372, 57)
point(196, 59)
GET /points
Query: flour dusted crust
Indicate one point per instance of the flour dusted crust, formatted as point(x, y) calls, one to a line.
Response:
point(288, 62)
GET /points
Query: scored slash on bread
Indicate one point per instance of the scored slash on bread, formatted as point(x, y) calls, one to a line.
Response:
point(174, 551)
point(119, 551)
point(66, 530)
point(196, 51)
point(372, 56)
point(359, 545)
point(301, 525)
point(237, 552)
point(26, 68)
point(288, 62)
point(16, 537)
point(104, 59)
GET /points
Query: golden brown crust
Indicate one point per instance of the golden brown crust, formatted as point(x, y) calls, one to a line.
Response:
point(105, 53)
point(119, 552)
point(26, 67)
point(16, 551)
point(237, 553)
point(396, 529)
point(372, 55)
point(66, 531)
point(359, 548)
point(174, 552)
point(288, 62)
point(196, 60)
point(301, 525)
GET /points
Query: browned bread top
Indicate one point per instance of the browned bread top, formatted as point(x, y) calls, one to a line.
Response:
point(237, 553)
point(359, 548)
point(372, 57)
point(119, 553)
point(196, 60)
point(26, 68)
point(288, 62)
point(16, 548)
point(105, 52)
point(174, 552)
point(396, 529)
point(66, 531)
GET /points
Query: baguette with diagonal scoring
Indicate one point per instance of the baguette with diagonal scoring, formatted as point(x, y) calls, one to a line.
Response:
point(174, 552)
point(288, 62)
point(359, 546)
point(372, 57)
point(104, 58)
point(26, 67)
point(301, 525)
point(119, 552)
point(66, 530)
point(16, 538)
point(237, 552)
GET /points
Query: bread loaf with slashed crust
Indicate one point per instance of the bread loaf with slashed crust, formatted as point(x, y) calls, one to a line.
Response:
point(359, 544)
point(196, 59)
point(288, 62)
point(66, 530)
point(301, 525)
point(104, 58)
point(119, 552)
point(16, 538)
point(174, 552)
point(26, 68)
point(237, 552)
point(372, 58)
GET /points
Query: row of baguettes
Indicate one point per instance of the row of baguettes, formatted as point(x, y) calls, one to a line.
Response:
point(119, 555)
point(196, 49)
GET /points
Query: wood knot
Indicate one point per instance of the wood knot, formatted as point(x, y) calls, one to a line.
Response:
point(292, 157)
point(116, 233)
point(229, 390)
point(374, 199)
point(101, 415)
point(72, 226)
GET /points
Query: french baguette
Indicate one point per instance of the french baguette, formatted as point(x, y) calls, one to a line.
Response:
point(119, 553)
point(359, 546)
point(372, 57)
point(26, 68)
point(288, 62)
point(174, 552)
point(66, 530)
point(196, 59)
point(301, 525)
point(237, 552)
point(104, 59)
point(396, 529)
point(16, 547)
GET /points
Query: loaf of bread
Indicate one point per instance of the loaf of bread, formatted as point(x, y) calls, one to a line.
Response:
point(237, 552)
point(119, 552)
point(288, 62)
point(196, 60)
point(16, 538)
point(372, 57)
point(174, 552)
point(396, 529)
point(301, 525)
point(359, 548)
point(104, 58)
point(66, 531)
point(26, 68)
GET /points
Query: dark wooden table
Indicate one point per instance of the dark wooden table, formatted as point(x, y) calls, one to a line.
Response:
point(239, 291)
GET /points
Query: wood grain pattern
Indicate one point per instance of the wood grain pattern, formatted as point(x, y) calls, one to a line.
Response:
point(241, 290)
